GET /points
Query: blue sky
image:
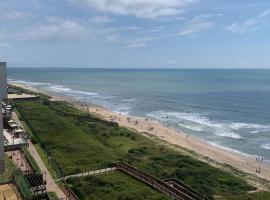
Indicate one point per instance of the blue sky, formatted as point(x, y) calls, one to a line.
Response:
point(135, 33)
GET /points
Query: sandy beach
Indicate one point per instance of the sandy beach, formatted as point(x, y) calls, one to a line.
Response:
point(203, 149)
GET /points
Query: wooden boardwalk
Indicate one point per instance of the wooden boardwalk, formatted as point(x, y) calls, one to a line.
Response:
point(175, 189)
point(94, 172)
point(181, 192)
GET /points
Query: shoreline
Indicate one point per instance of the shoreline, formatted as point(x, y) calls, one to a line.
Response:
point(204, 149)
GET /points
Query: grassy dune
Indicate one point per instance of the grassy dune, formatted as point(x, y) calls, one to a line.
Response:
point(114, 186)
point(82, 142)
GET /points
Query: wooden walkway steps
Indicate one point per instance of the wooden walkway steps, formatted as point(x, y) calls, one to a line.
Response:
point(174, 188)
point(181, 186)
point(177, 191)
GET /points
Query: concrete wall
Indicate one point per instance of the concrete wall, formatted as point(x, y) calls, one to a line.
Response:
point(2, 158)
point(3, 81)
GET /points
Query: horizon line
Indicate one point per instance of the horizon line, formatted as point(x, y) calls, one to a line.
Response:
point(132, 68)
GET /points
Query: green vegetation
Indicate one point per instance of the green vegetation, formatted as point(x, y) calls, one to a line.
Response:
point(32, 161)
point(252, 196)
point(10, 168)
point(22, 185)
point(79, 142)
point(113, 186)
point(52, 196)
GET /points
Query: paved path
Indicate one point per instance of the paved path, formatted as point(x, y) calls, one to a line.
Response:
point(51, 185)
point(94, 172)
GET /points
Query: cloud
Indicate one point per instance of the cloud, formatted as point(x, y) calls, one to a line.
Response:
point(14, 15)
point(102, 19)
point(54, 29)
point(3, 40)
point(138, 8)
point(4, 44)
point(249, 25)
point(245, 62)
point(171, 62)
point(197, 24)
point(137, 45)
point(133, 28)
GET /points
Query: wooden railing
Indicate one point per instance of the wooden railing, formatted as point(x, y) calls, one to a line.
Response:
point(181, 186)
point(178, 193)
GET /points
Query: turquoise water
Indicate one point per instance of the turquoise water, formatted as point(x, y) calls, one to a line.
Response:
point(228, 108)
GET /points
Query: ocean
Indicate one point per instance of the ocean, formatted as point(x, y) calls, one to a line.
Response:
point(229, 108)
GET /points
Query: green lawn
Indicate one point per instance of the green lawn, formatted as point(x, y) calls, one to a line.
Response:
point(114, 186)
point(82, 142)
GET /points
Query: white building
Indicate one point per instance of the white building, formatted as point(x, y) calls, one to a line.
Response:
point(3, 81)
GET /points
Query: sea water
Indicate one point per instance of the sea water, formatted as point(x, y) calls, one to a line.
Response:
point(229, 108)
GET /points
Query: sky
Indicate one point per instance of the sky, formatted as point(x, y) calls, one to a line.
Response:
point(135, 33)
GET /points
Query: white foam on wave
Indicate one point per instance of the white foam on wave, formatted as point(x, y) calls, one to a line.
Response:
point(158, 115)
point(195, 117)
point(227, 133)
point(29, 83)
point(87, 93)
point(197, 122)
point(128, 100)
point(59, 88)
point(123, 109)
point(266, 146)
point(232, 150)
point(64, 89)
point(94, 97)
point(237, 126)
point(194, 128)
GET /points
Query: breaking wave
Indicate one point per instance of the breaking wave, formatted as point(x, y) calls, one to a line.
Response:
point(197, 122)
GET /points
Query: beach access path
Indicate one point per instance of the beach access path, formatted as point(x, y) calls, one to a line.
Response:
point(50, 182)
point(94, 172)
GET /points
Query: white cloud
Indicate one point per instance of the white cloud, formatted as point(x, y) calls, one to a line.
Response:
point(249, 25)
point(113, 38)
point(3, 40)
point(133, 28)
point(171, 62)
point(138, 8)
point(198, 24)
point(54, 29)
point(14, 15)
point(102, 19)
point(4, 44)
point(137, 45)
point(245, 62)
